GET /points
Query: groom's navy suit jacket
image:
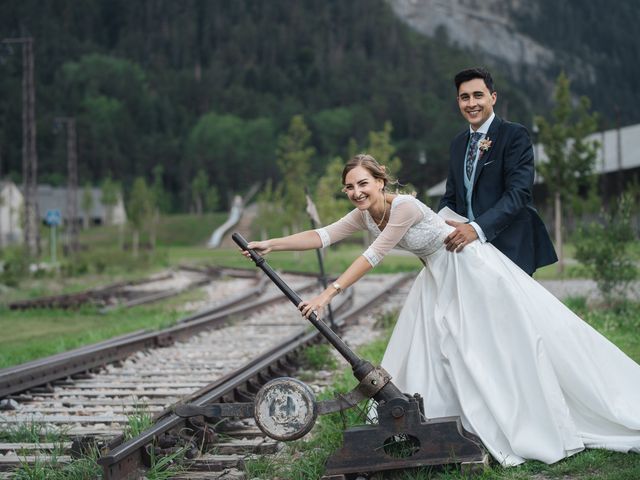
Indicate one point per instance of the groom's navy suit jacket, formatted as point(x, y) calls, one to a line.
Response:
point(501, 198)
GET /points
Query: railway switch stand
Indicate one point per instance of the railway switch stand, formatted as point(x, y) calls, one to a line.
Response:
point(286, 409)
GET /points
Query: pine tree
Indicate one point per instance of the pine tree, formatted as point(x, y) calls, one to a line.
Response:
point(199, 188)
point(294, 159)
point(140, 210)
point(571, 158)
point(329, 199)
point(381, 148)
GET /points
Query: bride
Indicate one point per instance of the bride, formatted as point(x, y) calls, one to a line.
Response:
point(479, 338)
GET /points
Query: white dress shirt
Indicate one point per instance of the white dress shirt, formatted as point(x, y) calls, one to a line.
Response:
point(484, 129)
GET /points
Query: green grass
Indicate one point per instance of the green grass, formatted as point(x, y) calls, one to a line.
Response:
point(137, 422)
point(173, 230)
point(101, 259)
point(550, 272)
point(46, 467)
point(30, 432)
point(319, 357)
point(83, 468)
point(165, 466)
point(337, 259)
point(32, 334)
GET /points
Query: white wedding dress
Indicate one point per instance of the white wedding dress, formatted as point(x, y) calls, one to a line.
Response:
point(480, 339)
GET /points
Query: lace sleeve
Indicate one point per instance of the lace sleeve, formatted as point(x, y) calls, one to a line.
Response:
point(403, 216)
point(350, 223)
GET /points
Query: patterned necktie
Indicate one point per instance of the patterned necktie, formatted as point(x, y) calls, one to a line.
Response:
point(471, 153)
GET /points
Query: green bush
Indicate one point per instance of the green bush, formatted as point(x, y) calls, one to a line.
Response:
point(14, 266)
point(72, 267)
point(602, 247)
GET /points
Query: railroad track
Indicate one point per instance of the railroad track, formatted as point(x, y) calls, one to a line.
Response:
point(93, 393)
point(136, 292)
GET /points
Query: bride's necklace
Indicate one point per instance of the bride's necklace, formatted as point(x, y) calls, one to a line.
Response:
point(384, 212)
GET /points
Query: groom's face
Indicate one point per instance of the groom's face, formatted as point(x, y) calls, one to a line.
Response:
point(476, 102)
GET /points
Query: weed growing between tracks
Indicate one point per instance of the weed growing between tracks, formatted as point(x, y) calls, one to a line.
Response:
point(85, 467)
point(166, 466)
point(137, 422)
point(305, 458)
point(30, 432)
point(49, 467)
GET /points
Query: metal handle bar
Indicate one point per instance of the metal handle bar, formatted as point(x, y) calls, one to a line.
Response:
point(329, 334)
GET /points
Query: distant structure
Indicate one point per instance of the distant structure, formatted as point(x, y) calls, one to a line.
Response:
point(55, 198)
point(618, 160)
point(235, 215)
point(11, 212)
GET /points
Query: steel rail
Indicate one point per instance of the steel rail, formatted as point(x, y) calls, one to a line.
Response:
point(230, 302)
point(156, 296)
point(72, 300)
point(40, 372)
point(68, 300)
point(126, 460)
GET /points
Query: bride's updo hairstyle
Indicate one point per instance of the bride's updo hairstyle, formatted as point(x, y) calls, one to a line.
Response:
point(371, 164)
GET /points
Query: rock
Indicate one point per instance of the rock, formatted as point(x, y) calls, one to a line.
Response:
point(8, 404)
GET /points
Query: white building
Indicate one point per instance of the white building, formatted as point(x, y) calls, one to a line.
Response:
point(55, 198)
point(11, 206)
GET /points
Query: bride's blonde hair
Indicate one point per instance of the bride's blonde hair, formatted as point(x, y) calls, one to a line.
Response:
point(371, 164)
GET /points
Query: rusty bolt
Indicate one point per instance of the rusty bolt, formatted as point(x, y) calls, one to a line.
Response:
point(397, 412)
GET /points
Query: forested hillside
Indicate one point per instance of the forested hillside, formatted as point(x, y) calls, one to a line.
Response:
point(596, 43)
point(212, 83)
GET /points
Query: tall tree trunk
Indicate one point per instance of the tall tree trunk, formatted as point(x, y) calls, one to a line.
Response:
point(121, 236)
point(8, 216)
point(154, 229)
point(135, 241)
point(72, 186)
point(558, 231)
point(29, 154)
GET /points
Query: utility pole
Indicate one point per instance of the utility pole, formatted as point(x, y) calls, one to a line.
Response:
point(72, 182)
point(29, 154)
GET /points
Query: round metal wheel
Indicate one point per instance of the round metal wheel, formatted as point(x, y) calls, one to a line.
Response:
point(285, 409)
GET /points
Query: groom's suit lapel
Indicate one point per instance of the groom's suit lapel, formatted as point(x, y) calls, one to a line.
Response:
point(485, 157)
point(459, 155)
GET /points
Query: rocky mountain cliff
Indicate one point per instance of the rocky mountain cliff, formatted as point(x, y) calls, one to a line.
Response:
point(531, 41)
point(484, 26)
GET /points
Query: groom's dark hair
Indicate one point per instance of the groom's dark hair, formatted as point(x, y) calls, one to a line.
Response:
point(470, 74)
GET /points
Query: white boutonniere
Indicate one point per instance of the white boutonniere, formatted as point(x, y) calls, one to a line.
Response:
point(485, 144)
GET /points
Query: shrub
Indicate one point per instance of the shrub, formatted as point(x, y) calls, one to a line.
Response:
point(602, 248)
point(14, 266)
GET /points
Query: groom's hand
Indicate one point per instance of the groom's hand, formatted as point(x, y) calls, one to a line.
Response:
point(463, 235)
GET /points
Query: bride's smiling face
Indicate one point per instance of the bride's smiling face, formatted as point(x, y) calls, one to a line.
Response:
point(362, 189)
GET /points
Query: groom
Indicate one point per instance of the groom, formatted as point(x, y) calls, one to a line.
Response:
point(490, 180)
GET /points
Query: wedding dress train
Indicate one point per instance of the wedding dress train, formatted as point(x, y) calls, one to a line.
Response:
point(480, 339)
